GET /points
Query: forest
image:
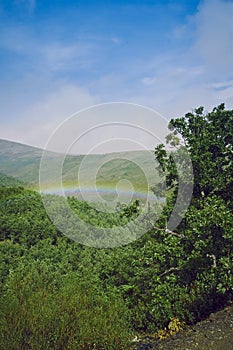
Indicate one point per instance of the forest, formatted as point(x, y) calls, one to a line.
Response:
point(56, 293)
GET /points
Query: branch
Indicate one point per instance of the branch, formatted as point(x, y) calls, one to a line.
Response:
point(173, 233)
point(169, 271)
point(213, 257)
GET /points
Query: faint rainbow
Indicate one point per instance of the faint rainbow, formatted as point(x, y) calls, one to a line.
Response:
point(86, 190)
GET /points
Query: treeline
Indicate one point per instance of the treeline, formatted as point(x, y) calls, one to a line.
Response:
point(58, 294)
point(10, 181)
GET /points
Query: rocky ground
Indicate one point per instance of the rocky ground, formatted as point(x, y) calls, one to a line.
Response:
point(214, 333)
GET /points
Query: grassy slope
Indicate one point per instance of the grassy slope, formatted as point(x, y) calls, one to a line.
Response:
point(23, 162)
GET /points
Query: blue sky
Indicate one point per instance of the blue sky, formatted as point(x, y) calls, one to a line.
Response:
point(57, 57)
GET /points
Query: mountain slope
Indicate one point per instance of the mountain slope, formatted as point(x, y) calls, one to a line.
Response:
point(23, 162)
point(10, 181)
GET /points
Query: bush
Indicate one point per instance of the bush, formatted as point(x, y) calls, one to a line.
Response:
point(41, 309)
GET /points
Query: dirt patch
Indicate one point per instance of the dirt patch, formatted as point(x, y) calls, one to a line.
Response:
point(214, 333)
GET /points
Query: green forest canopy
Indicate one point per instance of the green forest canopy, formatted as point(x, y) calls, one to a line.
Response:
point(57, 294)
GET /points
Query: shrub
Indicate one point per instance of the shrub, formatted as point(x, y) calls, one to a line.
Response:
point(41, 309)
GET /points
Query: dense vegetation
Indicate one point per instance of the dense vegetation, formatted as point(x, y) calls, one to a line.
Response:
point(10, 181)
point(58, 294)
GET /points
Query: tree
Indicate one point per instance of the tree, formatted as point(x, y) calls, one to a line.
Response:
point(206, 229)
point(209, 140)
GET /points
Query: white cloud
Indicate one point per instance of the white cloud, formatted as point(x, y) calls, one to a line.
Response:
point(65, 57)
point(149, 80)
point(35, 125)
point(214, 38)
point(198, 71)
point(202, 73)
point(52, 55)
point(221, 86)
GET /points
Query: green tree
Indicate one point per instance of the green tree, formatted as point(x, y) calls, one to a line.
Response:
point(206, 229)
point(209, 140)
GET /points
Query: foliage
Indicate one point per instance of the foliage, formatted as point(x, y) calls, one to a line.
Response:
point(173, 327)
point(206, 229)
point(209, 139)
point(58, 294)
point(44, 309)
point(9, 181)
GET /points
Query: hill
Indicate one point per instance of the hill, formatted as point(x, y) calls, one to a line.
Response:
point(20, 161)
point(23, 162)
point(10, 181)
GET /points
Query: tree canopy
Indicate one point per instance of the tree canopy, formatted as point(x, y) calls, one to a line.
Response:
point(56, 293)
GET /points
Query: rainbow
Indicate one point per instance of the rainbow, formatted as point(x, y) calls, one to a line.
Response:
point(90, 193)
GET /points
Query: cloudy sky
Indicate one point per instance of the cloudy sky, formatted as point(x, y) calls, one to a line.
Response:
point(57, 57)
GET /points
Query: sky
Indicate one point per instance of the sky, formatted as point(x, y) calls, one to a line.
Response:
point(59, 57)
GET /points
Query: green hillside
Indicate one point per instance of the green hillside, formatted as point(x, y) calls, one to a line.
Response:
point(10, 181)
point(23, 161)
